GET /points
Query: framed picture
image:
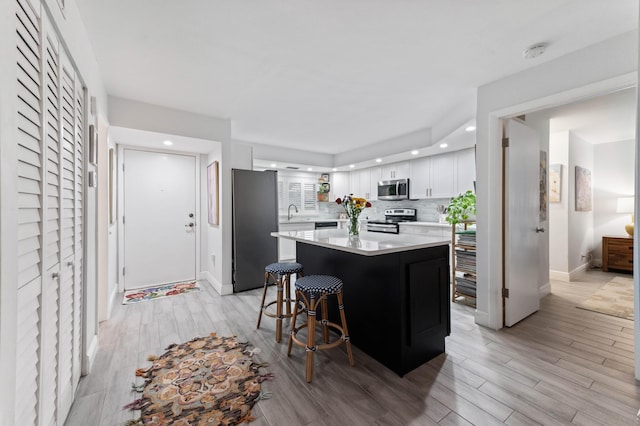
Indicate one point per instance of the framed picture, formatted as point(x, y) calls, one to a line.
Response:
point(555, 183)
point(543, 186)
point(93, 145)
point(583, 189)
point(324, 177)
point(112, 186)
point(212, 193)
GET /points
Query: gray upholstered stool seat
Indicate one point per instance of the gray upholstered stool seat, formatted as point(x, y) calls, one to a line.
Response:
point(319, 284)
point(284, 268)
point(280, 273)
point(312, 291)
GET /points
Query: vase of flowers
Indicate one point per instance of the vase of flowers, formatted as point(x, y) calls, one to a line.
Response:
point(353, 206)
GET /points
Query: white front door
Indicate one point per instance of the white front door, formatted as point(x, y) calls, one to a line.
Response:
point(522, 202)
point(159, 218)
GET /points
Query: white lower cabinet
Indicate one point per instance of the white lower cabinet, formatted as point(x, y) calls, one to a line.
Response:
point(286, 247)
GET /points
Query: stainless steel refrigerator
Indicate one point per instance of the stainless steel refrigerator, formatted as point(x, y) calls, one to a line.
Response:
point(255, 217)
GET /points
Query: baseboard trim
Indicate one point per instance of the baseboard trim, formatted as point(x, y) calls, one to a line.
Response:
point(559, 276)
point(112, 300)
point(545, 289)
point(90, 356)
point(222, 290)
point(573, 274)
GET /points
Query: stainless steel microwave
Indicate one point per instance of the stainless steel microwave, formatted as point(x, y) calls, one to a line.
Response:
point(396, 189)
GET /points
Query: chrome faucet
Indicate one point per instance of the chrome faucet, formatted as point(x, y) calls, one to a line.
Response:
point(289, 210)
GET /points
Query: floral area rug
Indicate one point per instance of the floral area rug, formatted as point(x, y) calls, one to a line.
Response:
point(615, 298)
point(206, 381)
point(158, 291)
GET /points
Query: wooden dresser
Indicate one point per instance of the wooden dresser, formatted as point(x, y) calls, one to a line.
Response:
point(617, 253)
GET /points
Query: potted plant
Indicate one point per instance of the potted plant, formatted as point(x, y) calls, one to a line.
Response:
point(461, 208)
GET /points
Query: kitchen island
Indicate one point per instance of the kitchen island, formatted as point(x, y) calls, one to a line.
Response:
point(396, 290)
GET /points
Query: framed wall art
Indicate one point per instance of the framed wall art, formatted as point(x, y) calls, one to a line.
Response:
point(112, 186)
point(212, 193)
point(583, 189)
point(555, 183)
point(543, 186)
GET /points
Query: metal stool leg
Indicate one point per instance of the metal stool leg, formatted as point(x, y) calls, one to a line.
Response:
point(279, 301)
point(293, 323)
point(343, 318)
point(264, 295)
point(311, 337)
point(325, 320)
point(286, 281)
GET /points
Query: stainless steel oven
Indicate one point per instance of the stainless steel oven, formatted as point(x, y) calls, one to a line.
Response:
point(396, 189)
point(392, 217)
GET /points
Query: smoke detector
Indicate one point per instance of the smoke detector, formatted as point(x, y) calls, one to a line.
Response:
point(534, 50)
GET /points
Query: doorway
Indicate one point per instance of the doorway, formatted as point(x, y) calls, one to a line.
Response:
point(160, 220)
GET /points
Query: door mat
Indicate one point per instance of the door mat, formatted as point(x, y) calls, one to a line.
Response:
point(209, 380)
point(157, 292)
point(615, 298)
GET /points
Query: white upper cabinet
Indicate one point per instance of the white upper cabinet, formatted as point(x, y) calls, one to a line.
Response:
point(433, 177)
point(400, 170)
point(442, 176)
point(360, 183)
point(375, 175)
point(420, 181)
point(354, 183)
point(466, 170)
point(340, 184)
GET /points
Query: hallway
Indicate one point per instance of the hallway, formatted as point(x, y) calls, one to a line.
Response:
point(561, 365)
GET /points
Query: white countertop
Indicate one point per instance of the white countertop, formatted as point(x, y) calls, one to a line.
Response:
point(367, 244)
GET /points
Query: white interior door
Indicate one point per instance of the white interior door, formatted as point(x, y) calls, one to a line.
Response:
point(522, 201)
point(159, 218)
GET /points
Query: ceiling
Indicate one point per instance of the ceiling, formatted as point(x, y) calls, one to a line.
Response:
point(602, 119)
point(332, 76)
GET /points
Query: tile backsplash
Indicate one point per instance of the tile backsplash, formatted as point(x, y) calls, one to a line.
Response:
point(426, 208)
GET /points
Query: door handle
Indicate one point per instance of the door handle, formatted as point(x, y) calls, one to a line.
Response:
point(190, 225)
point(539, 229)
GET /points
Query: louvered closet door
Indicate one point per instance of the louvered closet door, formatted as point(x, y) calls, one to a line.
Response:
point(51, 287)
point(30, 220)
point(68, 355)
point(50, 118)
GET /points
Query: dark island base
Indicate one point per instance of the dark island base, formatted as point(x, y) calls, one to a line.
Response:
point(397, 305)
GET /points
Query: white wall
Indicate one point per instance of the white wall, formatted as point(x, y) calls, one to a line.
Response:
point(580, 222)
point(614, 168)
point(595, 69)
point(559, 212)
point(230, 154)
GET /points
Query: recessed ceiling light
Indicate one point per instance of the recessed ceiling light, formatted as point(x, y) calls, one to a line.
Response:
point(352, 165)
point(310, 169)
point(378, 160)
point(470, 128)
point(334, 169)
point(534, 50)
point(443, 145)
point(273, 165)
point(168, 143)
point(415, 152)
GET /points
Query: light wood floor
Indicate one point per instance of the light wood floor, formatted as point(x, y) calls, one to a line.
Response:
point(562, 365)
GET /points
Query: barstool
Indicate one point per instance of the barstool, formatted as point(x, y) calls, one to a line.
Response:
point(318, 288)
point(281, 273)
